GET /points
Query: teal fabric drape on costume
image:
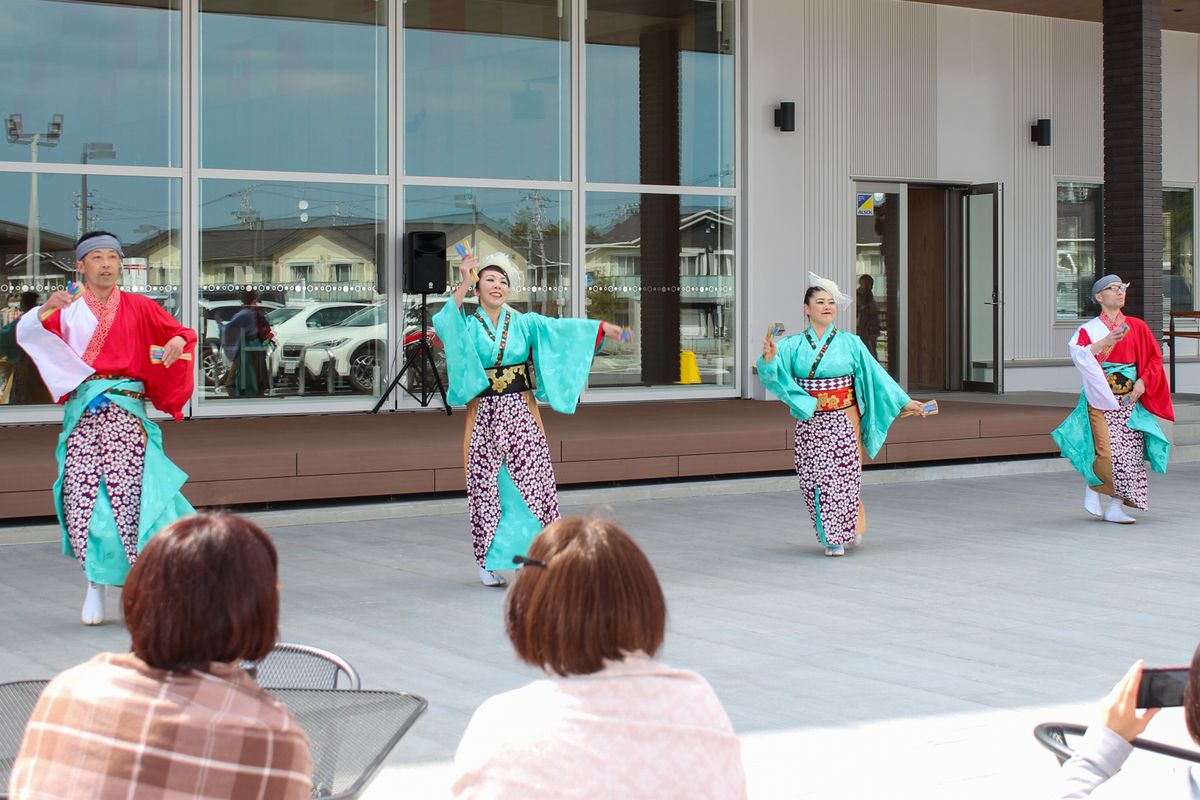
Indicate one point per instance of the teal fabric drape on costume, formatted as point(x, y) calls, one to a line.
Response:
point(1074, 435)
point(562, 352)
point(880, 399)
point(162, 503)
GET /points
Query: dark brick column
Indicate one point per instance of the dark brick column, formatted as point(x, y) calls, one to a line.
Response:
point(658, 72)
point(1133, 152)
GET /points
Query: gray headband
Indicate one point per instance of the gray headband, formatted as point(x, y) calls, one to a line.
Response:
point(1102, 284)
point(98, 243)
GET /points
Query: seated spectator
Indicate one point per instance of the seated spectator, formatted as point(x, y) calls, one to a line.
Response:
point(176, 717)
point(608, 720)
point(1105, 747)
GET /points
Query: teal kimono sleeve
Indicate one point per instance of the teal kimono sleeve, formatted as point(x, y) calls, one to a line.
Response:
point(464, 370)
point(777, 377)
point(562, 356)
point(880, 399)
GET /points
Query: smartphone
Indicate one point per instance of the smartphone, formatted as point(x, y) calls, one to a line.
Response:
point(1162, 687)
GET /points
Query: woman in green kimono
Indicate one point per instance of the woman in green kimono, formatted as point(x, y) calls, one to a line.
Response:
point(492, 352)
point(844, 402)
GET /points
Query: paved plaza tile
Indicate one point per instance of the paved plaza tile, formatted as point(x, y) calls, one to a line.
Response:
point(914, 667)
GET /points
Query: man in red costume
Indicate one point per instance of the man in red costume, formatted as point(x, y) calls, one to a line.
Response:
point(1112, 432)
point(115, 486)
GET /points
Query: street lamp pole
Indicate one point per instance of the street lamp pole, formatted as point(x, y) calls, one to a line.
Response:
point(17, 135)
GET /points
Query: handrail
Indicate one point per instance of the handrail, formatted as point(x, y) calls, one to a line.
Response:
point(1171, 336)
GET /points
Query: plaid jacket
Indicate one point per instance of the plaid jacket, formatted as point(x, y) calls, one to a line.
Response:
point(115, 727)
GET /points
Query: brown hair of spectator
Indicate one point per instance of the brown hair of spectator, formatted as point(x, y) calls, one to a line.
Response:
point(596, 598)
point(1191, 698)
point(204, 589)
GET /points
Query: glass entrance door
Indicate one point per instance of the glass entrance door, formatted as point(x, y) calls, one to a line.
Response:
point(983, 293)
point(880, 251)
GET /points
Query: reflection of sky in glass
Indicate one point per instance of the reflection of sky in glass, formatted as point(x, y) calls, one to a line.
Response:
point(498, 208)
point(706, 116)
point(112, 72)
point(486, 106)
point(132, 208)
point(225, 203)
point(292, 94)
point(605, 210)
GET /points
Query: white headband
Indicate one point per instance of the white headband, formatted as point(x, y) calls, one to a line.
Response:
point(98, 243)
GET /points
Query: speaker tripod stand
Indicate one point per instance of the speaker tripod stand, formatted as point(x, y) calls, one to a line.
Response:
point(421, 359)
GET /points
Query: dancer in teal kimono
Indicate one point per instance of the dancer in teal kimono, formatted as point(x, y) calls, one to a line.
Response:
point(492, 354)
point(103, 353)
point(844, 402)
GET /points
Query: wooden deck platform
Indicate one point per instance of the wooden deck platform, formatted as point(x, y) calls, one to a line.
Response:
point(289, 458)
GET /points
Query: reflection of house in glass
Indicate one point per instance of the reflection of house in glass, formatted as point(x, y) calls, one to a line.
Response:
point(326, 259)
point(56, 264)
point(537, 252)
point(619, 291)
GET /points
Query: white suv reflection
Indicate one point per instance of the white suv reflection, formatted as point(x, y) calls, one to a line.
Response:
point(353, 348)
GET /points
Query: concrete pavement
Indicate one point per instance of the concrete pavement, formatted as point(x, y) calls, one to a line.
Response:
point(914, 667)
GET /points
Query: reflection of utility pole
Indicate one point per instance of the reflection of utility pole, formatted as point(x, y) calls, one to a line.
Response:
point(535, 244)
point(249, 216)
point(91, 151)
point(16, 135)
point(469, 200)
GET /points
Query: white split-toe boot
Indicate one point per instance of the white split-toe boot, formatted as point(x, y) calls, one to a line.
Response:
point(1115, 512)
point(93, 604)
point(1091, 502)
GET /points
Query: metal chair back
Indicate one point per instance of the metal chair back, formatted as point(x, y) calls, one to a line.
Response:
point(17, 700)
point(350, 733)
point(298, 666)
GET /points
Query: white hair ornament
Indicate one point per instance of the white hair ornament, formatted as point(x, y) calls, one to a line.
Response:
point(516, 277)
point(829, 286)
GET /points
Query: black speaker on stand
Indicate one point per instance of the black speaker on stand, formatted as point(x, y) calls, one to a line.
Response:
point(424, 274)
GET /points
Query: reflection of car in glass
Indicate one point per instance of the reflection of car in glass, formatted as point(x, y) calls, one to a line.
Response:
point(213, 316)
point(356, 348)
point(415, 378)
point(291, 324)
point(1066, 287)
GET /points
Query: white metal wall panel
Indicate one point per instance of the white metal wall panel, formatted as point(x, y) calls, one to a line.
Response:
point(888, 89)
point(800, 203)
point(1077, 110)
point(893, 89)
point(1032, 213)
point(1181, 106)
point(975, 95)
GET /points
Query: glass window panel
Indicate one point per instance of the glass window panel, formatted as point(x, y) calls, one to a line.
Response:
point(663, 265)
point(532, 227)
point(1079, 253)
point(877, 270)
point(111, 69)
point(660, 81)
point(294, 86)
point(487, 88)
point(1179, 264)
point(37, 251)
point(314, 249)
